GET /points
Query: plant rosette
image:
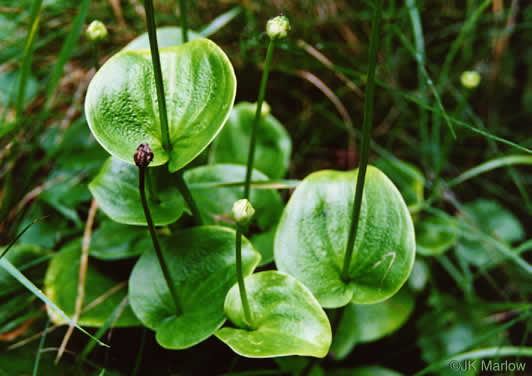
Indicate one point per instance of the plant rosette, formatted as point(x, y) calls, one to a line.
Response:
point(122, 110)
point(311, 238)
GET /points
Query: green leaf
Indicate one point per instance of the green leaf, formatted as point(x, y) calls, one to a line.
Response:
point(312, 236)
point(419, 275)
point(263, 242)
point(369, 322)
point(215, 203)
point(121, 103)
point(23, 257)
point(167, 36)
point(363, 371)
point(435, 235)
point(116, 189)
point(488, 217)
point(201, 262)
point(113, 241)
point(61, 286)
point(273, 144)
point(408, 179)
point(288, 320)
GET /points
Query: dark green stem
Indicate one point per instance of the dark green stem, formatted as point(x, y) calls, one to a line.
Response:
point(366, 134)
point(253, 138)
point(240, 278)
point(183, 16)
point(163, 117)
point(183, 188)
point(155, 240)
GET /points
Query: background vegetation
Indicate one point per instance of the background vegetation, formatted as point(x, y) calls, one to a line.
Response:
point(472, 299)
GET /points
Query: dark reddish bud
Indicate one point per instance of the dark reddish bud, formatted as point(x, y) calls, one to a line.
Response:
point(143, 156)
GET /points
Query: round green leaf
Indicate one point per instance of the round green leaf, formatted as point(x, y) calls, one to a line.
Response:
point(167, 36)
point(489, 218)
point(369, 322)
point(273, 145)
point(435, 235)
point(408, 179)
point(201, 262)
point(312, 236)
point(215, 203)
point(116, 188)
point(61, 286)
point(288, 320)
point(121, 103)
point(113, 241)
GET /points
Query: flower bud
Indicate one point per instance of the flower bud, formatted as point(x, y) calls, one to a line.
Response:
point(278, 27)
point(243, 212)
point(96, 31)
point(470, 79)
point(143, 156)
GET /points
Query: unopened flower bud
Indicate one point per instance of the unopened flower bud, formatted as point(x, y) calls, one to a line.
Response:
point(96, 31)
point(143, 156)
point(278, 27)
point(470, 79)
point(243, 212)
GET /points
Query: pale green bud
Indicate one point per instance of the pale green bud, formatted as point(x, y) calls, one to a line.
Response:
point(243, 212)
point(470, 79)
point(265, 109)
point(96, 31)
point(278, 27)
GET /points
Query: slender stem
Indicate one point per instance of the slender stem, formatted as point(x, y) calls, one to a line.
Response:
point(240, 278)
point(183, 16)
point(366, 134)
point(155, 240)
point(253, 138)
point(183, 188)
point(163, 117)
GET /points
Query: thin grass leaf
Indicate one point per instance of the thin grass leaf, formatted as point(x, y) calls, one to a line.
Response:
point(220, 21)
point(4, 263)
point(491, 165)
point(267, 184)
point(35, 17)
point(39, 349)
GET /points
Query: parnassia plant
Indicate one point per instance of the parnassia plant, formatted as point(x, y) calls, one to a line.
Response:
point(343, 239)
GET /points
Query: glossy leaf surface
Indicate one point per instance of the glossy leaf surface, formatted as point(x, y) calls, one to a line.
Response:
point(312, 235)
point(215, 203)
point(288, 320)
point(273, 145)
point(368, 322)
point(435, 235)
point(114, 241)
point(116, 188)
point(61, 286)
point(408, 179)
point(121, 103)
point(201, 262)
point(167, 36)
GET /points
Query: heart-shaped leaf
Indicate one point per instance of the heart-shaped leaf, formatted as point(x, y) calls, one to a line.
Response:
point(435, 235)
point(273, 145)
point(167, 36)
point(116, 188)
point(113, 241)
point(201, 262)
point(101, 293)
point(408, 179)
point(122, 110)
point(288, 320)
point(368, 322)
point(215, 203)
point(312, 236)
